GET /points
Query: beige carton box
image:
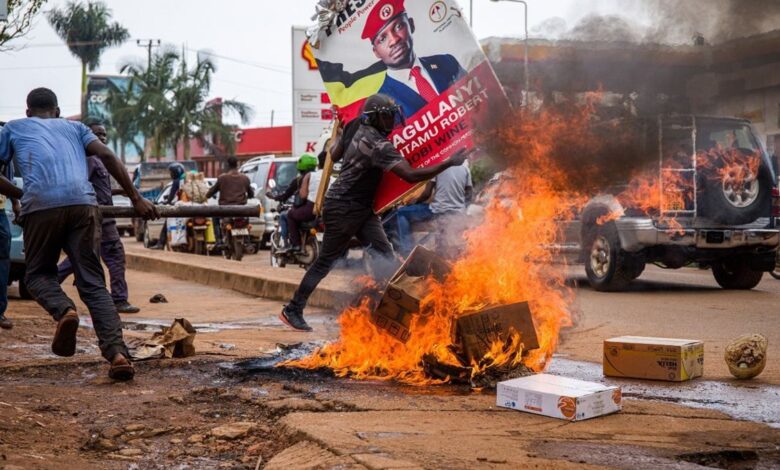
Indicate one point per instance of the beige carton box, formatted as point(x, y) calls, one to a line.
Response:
point(558, 397)
point(401, 299)
point(641, 357)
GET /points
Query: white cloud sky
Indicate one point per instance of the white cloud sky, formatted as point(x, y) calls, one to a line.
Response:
point(254, 32)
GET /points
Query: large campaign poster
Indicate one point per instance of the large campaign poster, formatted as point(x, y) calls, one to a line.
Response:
point(423, 54)
point(98, 88)
point(311, 104)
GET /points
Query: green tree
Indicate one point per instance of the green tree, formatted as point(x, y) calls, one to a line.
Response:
point(87, 30)
point(172, 105)
point(20, 16)
point(200, 118)
point(124, 127)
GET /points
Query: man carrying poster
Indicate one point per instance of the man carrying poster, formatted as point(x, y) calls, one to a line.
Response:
point(347, 211)
point(422, 54)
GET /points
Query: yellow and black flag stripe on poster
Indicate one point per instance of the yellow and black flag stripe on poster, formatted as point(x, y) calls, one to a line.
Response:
point(348, 90)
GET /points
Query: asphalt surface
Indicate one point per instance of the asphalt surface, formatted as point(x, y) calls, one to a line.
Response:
point(683, 303)
point(311, 421)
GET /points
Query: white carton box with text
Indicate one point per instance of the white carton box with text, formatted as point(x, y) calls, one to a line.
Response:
point(558, 397)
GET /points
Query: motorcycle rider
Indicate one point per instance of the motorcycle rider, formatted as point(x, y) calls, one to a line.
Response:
point(305, 165)
point(177, 171)
point(348, 204)
point(234, 188)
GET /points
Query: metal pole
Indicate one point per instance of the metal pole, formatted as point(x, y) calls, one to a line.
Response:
point(525, 59)
point(525, 46)
point(148, 44)
point(185, 211)
point(471, 13)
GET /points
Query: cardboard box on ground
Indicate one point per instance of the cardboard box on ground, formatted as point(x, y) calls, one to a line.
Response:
point(473, 333)
point(559, 397)
point(641, 357)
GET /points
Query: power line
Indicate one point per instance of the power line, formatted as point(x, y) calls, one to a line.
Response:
point(41, 67)
point(247, 85)
point(270, 68)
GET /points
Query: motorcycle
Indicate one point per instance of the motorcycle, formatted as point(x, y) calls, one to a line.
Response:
point(311, 233)
point(198, 236)
point(235, 235)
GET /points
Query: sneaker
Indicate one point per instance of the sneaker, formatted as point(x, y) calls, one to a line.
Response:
point(5, 323)
point(64, 342)
point(125, 307)
point(121, 369)
point(294, 319)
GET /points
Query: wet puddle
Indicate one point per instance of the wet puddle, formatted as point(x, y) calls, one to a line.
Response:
point(748, 401)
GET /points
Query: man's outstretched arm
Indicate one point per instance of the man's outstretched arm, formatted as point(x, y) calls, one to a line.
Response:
point(144, 208)
point(416, 175)
point(9, 189)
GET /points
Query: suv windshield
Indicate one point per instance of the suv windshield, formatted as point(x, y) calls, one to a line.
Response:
point(725, 134)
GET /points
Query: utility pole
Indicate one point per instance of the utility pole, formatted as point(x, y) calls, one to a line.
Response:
point(525, 42)
point(148, 44)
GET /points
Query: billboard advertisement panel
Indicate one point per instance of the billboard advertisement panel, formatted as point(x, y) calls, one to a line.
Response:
point(311, 104)
point(423, 54)
point(98, 88)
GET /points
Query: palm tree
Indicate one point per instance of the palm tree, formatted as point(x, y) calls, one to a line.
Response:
point(123, 127)
point(153, 108)
point(172, 105)
point(87, 31)
point(200, 118)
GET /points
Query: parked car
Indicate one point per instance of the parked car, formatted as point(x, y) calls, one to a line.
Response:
point(703, 215)
point(266, 173)
point(153, 228)
point(124, 224)
point(18, 265)
point(150, 178)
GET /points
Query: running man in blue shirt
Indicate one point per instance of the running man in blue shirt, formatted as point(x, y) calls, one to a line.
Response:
point(59, 213)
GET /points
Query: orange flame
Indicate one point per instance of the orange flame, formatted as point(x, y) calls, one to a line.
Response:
point(506, 259)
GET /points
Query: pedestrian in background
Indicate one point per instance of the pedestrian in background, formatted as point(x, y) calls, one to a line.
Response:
point(111, 249)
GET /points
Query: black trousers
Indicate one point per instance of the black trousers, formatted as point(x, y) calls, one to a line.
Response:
point(75, 230)
point(112, 252)
point(344, 220)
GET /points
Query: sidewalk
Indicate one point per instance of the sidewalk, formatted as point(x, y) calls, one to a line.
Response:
point(252, 276)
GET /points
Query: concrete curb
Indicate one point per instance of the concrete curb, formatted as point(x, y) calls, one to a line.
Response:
point(267, 288)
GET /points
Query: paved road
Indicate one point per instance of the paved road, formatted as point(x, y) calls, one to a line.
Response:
point(684, 303)
point(308, 421)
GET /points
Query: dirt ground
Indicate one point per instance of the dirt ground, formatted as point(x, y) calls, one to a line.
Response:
point(208, 412)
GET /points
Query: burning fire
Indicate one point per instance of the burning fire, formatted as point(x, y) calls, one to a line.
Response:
point(660, 196)
point(505, 260)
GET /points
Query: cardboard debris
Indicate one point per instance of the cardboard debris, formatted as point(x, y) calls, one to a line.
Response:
point(476, 332)
point(174, 341)
point(401, 299)
point(558, 397)
point(640, 357)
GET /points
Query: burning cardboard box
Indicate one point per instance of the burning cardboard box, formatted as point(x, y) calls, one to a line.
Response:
point(640, 357)
point(558, 397)
point(405, 290)
point(478, 331)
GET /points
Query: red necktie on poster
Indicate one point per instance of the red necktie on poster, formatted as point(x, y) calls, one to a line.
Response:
point(425, 89)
